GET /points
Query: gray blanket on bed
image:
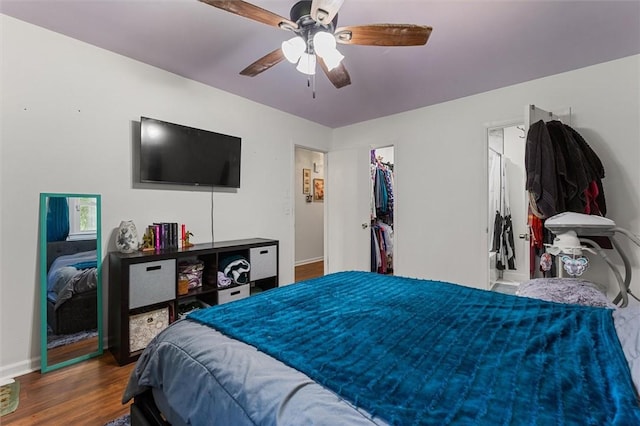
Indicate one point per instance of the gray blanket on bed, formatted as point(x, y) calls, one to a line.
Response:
point(565, 290)
point(81, 282)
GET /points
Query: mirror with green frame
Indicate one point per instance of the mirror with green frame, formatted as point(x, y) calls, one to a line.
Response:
point(70, 279)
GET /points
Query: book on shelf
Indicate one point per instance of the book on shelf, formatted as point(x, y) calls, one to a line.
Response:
point(163, 235)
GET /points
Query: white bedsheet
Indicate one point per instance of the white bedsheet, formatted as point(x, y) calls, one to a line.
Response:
point(627, 323)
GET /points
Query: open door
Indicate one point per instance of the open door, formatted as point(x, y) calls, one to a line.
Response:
point(348, 215)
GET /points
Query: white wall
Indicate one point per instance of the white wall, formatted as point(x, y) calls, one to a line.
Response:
point(68, 117)
point(309, 221)
point(440, 157)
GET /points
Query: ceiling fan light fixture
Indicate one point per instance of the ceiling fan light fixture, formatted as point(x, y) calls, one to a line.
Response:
point(293, 49)
point(307, 64)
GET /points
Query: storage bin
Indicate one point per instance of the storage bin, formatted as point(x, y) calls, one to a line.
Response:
point(144, 327)
point(234, 293)
point(264, 262)
point(152, 282)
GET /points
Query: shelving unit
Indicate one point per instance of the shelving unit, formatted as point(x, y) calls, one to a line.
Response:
point(143, 287)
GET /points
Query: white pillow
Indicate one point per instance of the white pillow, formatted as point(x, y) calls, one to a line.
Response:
point(627, 323)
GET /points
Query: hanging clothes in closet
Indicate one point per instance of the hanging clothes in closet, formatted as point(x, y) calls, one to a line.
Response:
point(382, 204)
point(563, 174)
point(502, 230)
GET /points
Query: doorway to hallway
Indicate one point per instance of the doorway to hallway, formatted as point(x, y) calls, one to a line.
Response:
point(309, 210)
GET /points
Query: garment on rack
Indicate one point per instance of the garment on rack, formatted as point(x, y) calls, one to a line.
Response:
point(563, 172)
point(382, 191)
point(381, 248)
point(502, 237)
point(503, 242)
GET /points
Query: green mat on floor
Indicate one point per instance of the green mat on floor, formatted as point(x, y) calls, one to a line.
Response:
point(9, 396)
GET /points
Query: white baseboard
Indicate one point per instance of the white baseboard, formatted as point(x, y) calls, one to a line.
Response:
point(29, 366)
point(515, 276)
point(19, 369)
point(307, 261)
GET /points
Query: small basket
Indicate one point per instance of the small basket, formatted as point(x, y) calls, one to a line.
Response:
point(192, 272)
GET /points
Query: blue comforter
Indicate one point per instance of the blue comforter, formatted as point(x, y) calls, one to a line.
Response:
point(425, 352)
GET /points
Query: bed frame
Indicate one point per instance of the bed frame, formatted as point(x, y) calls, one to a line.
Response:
point(145, 412)
point(80, 312)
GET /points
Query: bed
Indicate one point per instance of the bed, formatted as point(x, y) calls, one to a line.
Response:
point(71, 286)
point(360, 348)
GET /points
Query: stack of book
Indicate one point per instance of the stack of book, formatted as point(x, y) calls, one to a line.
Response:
point(163, 235)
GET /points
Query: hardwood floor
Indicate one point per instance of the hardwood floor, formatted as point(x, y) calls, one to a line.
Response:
point(310, 270)
point(88, 393)
point(72, 350)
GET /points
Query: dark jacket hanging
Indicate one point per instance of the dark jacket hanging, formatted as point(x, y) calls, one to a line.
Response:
point(563, 172)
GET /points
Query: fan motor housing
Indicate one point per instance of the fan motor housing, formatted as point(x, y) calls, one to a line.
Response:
point(301, 14)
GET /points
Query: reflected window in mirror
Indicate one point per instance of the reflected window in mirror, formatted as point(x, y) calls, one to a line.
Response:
point(71, 307)
point(82, 218)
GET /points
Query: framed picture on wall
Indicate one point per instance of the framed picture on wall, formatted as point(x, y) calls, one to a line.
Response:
point(306, 181)
point(318, 190)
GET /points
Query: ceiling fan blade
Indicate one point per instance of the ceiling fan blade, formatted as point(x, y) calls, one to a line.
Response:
point(264, 63)
point(384, 35)
point(251, 11)
point(323, 11)
point(338, 76)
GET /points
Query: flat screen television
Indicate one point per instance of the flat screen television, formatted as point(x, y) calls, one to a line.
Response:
point(175, 154)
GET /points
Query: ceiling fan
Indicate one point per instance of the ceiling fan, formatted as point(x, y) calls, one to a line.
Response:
point(314, 23)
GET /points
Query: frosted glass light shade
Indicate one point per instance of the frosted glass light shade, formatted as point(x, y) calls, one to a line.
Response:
point(324, 43)
point(307, 64)
point(293, 49)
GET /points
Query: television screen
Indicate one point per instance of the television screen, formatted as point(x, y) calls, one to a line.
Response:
point(172, 153)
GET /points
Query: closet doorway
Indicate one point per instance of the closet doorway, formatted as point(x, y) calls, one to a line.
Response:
point(507, 216)
point(309, 213)
point(382, 210)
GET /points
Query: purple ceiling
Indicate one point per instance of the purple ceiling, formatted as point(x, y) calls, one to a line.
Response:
point(475, 46)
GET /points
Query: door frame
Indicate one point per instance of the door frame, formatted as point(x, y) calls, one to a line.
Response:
point(292, 201)
point(394, 146)
point(487, 127)
point(563, 114)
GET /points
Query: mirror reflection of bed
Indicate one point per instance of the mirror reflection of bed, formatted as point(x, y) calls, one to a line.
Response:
point(71, 324)
point(70, 279)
